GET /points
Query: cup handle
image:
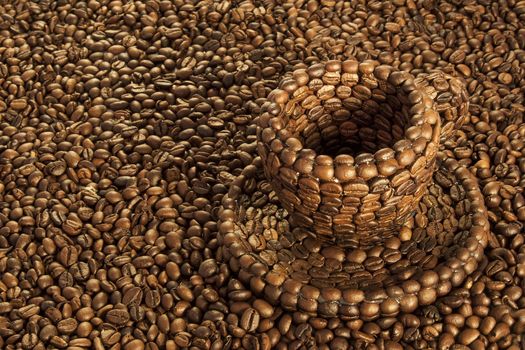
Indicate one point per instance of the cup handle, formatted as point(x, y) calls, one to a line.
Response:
point(451, 100)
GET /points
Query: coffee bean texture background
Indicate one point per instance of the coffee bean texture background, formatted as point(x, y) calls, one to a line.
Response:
point(124, 124)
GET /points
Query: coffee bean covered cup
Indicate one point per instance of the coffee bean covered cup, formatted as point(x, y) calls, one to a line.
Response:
point(349, 148)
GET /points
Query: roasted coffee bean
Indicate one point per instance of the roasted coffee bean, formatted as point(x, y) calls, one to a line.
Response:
point(250, 320)
point(132, 296)
point(67, 326)
point(118, 316)
point(183, 339)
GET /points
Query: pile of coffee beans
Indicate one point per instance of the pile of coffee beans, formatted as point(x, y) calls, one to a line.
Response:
point(124, 124)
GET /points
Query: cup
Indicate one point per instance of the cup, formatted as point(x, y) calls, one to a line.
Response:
point(349, 148)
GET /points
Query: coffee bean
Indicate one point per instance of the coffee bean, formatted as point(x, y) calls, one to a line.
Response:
point(27, 311)
point(250, 320)
point(183, 339)
point(263, 308)
point(135, 344)
point(208, 268)
point(152, 298)
point(110, 336)
point(132, 296)
point(118, 316)
point(18, 104)
point(58, 342)
point(68, 255)
point(67, 326)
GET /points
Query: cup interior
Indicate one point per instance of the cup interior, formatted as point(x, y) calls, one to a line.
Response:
point(365, 118)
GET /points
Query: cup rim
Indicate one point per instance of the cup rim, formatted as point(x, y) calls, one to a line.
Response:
point(273, 112)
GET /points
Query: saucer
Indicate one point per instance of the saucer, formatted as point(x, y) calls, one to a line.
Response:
point(435, 250)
